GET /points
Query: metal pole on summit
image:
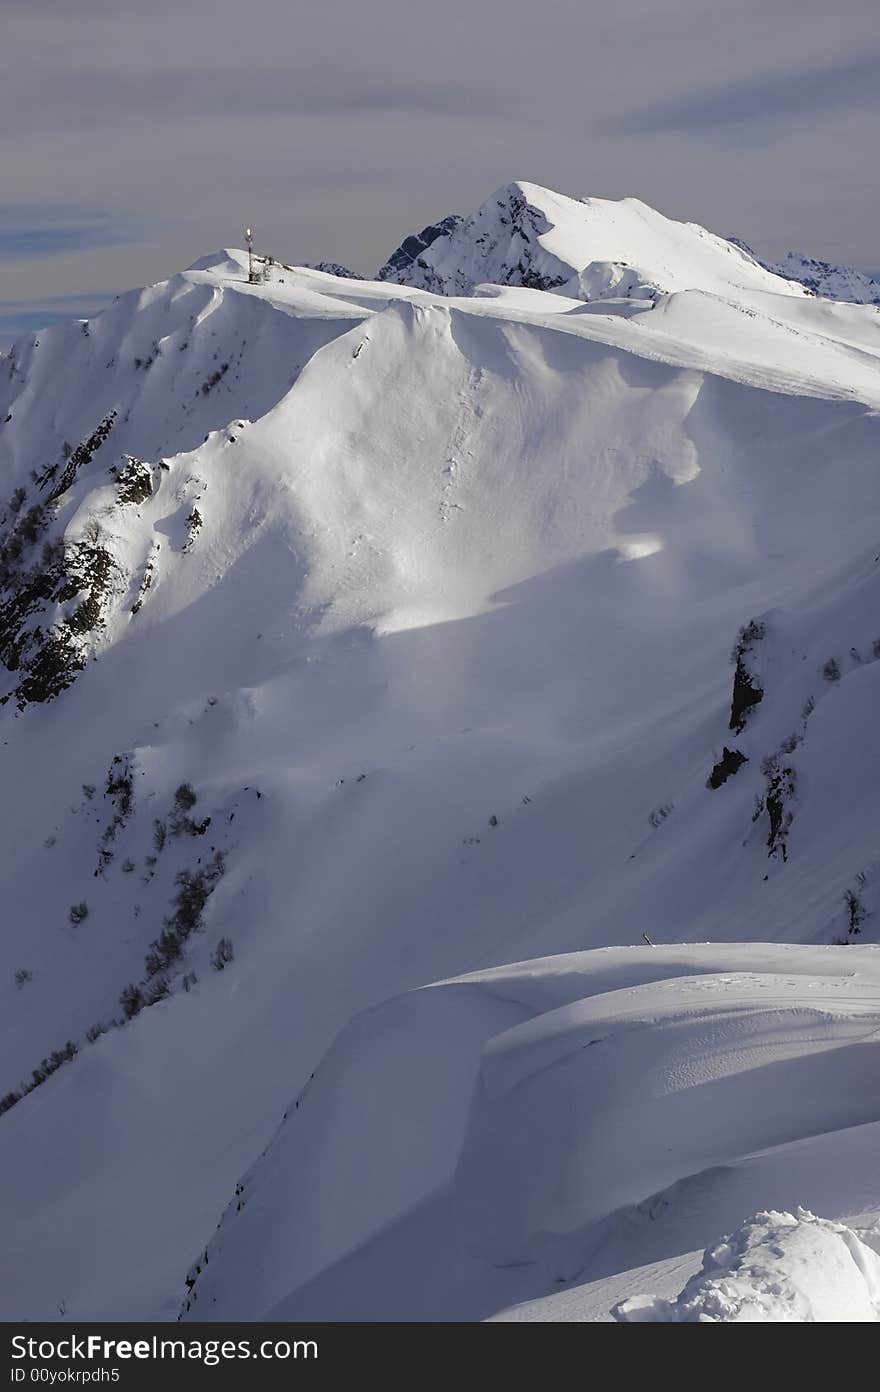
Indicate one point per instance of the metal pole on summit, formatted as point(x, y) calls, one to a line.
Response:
point(248, 232)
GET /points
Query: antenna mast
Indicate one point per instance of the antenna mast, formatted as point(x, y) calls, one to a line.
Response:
point(248, 232)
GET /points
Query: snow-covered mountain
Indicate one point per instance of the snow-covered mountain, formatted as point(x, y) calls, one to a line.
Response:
point(588, 248)
point(360, 635)
point(831, 282)
point(599, 248)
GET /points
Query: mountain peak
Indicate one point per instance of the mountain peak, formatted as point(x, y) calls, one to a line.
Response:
point(586, 248)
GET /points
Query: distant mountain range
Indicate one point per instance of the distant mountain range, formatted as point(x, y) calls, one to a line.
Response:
point(831, 282)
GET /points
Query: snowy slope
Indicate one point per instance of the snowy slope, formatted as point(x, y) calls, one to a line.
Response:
point(357, 637)
point(476, 1144)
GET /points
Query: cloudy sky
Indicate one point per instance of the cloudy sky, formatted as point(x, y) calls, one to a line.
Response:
point(136, 136)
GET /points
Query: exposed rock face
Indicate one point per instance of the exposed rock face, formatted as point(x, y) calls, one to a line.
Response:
point(410, 249)
point(747, 689)
point(498, 244)
point(333, 268)
point(730, 761)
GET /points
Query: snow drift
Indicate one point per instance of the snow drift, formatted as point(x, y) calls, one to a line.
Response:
point(779, 1268)
point(476, 1143)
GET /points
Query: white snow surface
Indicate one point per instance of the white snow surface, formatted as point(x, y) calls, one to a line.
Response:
point(473, 1146)
point(430, 601)
point(776, 1268)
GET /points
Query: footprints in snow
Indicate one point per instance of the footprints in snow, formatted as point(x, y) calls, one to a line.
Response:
point(494, 820)
point(469, 409)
